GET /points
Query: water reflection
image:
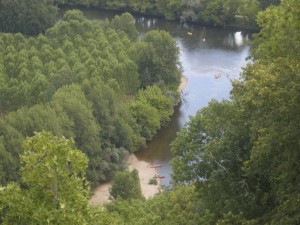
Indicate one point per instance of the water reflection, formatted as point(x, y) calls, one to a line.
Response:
point(210, 58)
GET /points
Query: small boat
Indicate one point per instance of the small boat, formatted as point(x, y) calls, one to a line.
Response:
point(154, 165)
point(190, 33)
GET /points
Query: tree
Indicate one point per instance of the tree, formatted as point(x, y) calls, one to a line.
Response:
point(275, 23)
point(56, 188)
point(125, 23)
point(28, 17)
point(72, 101)
point(176, 207)
point(116, 122)
point(126, 185)
point(7, 164)
point(267, 96)
point(153, 96)
point(244, 154)
point(219, 12)
point(267, 3)
point(147, 117)
point(158, 59)
point(191, 10)
point(249, 9)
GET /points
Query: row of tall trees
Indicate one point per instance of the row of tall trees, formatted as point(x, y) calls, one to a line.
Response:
point(85, 80)
point(243, 154)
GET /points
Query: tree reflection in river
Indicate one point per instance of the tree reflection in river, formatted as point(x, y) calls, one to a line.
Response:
point(204, 54)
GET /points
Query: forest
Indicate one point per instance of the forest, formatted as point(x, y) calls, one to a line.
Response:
point(18, 16)
point(95, 83)
point(77, 98)
point(207, 12)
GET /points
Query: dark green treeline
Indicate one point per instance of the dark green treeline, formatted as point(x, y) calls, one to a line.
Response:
point(206, 12)
point(35, 16)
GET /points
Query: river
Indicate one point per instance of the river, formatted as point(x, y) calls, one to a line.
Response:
point(210, 58)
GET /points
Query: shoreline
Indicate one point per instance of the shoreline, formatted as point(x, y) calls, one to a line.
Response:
point(183, 83)
point(235, 25)
point(100, 194)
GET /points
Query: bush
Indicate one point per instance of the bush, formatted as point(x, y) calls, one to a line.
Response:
point(126, 185)
point(153, 181)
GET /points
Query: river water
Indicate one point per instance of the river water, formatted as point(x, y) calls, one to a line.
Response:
point(210, 58)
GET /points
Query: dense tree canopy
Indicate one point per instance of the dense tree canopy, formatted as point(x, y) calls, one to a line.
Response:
point(80, 80)
point(28, 17)
point(157, 57)
point(178, 207)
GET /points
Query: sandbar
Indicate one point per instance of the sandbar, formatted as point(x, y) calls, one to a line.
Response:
point(100, 194)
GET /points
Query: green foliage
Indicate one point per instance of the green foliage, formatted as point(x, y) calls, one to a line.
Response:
point(28, 17)
point(76, 81)
point(267, 3)
point(117, 125)
point(125, 23)
point(7, 164)
point(208, 12)
point(126, 185)
point(279, 34)
point(57, 191)
point(210, 152)
point(248, 11)
point(152, 110)
point(152, 181)
point(158, 59)
point(180, 206)
point(270, 107)
point(243, 154)
point(54, 188)
point(153, 96)
point(219, 12)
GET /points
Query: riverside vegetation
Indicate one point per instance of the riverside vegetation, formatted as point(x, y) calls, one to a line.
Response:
point(235, 162)
point(34, 16)
point(206, 12)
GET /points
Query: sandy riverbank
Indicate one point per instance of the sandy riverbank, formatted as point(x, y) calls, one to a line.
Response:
point(101, 193)
point(183, 83)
